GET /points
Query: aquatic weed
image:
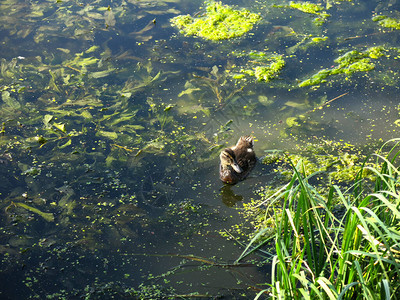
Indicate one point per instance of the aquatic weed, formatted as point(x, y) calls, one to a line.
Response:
point(219, 22)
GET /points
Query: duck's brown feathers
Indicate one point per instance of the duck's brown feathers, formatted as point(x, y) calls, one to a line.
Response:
point(237, 161)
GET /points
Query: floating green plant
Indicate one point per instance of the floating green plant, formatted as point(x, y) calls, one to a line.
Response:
point(307, 7)
point(311, 8)
point(263, 66)
point(387, 22)
point(349, 63)
point(220, 22)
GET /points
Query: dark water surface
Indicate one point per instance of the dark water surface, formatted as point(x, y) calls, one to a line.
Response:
point(111, 126)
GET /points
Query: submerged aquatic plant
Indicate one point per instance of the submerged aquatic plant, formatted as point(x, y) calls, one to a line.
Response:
point(220, 22)
point(199, 88)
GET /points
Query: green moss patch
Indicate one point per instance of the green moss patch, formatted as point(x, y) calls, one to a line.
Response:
point(349, 63)
point(262, 66)
point(387, 22)
point(306, 7)
point(311, 8)
point(220, 22)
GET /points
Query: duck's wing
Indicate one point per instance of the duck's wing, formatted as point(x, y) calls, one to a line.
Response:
point(247, 160)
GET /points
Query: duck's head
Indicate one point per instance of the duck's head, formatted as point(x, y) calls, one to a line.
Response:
point(228, 159)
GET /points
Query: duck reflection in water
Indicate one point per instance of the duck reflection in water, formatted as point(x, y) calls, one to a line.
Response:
point(228, 197)
point(237, 162)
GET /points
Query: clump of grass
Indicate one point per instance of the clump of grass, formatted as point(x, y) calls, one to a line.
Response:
point(353, 253)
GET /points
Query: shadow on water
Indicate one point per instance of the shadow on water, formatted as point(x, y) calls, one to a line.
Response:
point(228, 197)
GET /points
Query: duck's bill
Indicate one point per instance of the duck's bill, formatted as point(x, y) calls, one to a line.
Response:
point(237, 168)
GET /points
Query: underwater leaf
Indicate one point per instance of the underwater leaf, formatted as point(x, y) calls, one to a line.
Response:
point(64, 50)
point(41, 140)
point(108, 134)
point(81, 62)
point(144, 38)
point(46, 120)
point(163, 12)
point(154, 146)
point(86, 101)
point(188, 91)
point(264, 100)
point(148, 27)
point(130, 128)
point(158, 75)
point(32, 171)
point(296, 105)
point(109, 18)
point(100, 74)
point(168, 107)
point(126, 95)
point(109, 160)
point(214, 71)
point(292, 121)
point(124, 117)
point(86, 114)
point(92, 49)
point(95, 15)
point(140, 35)
point(10, 101)
point(60, 126)
point(66, 144)
point(49, 217)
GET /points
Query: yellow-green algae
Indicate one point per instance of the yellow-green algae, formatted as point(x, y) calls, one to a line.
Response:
point(268, 66)
point(307, 7)
point(387, 22)
point(220, 22)
point(349, 63)
point(311, 8)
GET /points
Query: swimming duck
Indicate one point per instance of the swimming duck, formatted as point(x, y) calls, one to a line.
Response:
point(237, 161)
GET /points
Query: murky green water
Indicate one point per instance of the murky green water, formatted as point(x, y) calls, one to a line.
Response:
point(112, 122)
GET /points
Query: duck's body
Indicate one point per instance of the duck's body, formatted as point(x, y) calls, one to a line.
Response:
point(237, 161)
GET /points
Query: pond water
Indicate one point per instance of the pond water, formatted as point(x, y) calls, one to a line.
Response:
point(112, 121)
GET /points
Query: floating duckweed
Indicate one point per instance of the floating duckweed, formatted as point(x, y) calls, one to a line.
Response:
point(387, 22)
point(219, 23)
point(349, 63)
